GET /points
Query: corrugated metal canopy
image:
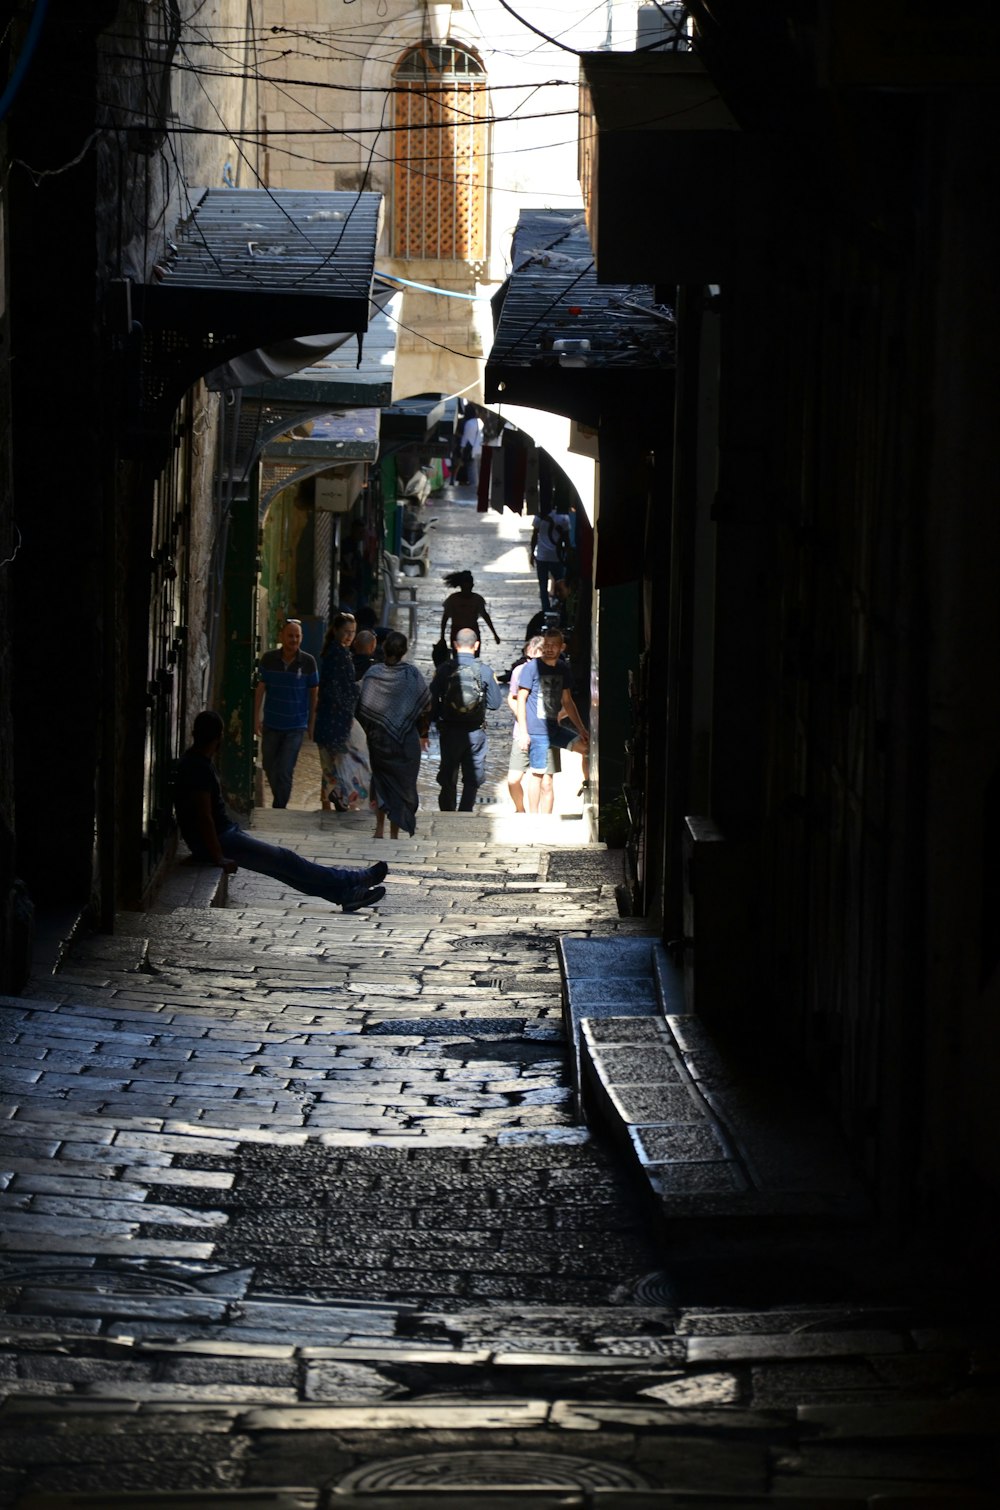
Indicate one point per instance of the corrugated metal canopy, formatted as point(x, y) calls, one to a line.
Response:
point(332, 383)
point(351, 435)
point(427, 421)
point(613, 336)
point(279, 240)
point(333, 439)
point(251, 267)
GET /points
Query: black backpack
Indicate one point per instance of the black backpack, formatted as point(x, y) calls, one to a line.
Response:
point(463, 697)
point(559, 537)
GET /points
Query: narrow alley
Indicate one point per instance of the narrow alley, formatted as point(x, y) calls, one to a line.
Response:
point(299, 1212)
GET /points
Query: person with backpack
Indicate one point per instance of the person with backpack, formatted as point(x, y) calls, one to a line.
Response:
point(549, 551)
point(462, 689)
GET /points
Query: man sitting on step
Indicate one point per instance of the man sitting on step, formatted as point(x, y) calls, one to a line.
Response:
point(214, 839)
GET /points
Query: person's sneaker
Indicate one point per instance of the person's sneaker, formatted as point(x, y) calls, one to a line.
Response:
point(376, 873)
point(365, 896)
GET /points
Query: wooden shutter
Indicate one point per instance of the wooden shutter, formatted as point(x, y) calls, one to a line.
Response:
point(439, 199)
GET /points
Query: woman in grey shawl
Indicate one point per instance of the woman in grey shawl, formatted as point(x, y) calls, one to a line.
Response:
point(394, 710)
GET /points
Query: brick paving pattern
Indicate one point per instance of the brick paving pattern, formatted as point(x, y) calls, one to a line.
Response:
point(296, 1212)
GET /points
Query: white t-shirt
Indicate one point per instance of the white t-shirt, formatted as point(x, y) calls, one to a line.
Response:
point(549, 532)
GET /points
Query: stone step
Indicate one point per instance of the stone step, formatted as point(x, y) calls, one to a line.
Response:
point(457, 831)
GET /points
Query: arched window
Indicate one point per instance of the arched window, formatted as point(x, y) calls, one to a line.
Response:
point(441, 146)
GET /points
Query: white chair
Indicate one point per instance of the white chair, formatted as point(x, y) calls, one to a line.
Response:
point(400, 592)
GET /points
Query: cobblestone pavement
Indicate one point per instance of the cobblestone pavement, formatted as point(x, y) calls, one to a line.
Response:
point(296, 1215)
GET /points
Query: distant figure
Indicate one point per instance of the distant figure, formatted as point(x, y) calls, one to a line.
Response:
point(367, 618)
point(471, 451)
point(356, 574)
point(394, 711)
point(549, 550)
point(343, 752)
point(214, 839)
point(284, 708)
point(461, 691)
point(364, 652)
point(464, 608)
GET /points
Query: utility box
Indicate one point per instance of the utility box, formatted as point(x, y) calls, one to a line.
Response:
point(336, 492)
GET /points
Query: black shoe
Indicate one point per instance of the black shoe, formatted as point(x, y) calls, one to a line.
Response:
point(365, 896)
point(376, 872)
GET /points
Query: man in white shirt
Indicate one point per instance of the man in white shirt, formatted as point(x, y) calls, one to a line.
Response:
point(549, 551)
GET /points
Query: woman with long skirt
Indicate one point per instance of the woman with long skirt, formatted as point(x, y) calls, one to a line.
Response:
point(394, 710)
point(342, 750)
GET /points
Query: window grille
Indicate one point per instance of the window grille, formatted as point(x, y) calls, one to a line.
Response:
point(442, 146)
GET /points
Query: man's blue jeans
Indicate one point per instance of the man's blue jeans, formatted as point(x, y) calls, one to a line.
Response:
point(290, 869)
point(546, 569)
point(279, 750)
point(461, 750)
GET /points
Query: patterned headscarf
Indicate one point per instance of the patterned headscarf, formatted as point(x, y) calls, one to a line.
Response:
point(393, 698)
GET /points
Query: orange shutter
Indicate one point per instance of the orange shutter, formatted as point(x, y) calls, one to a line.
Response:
point(439, 199)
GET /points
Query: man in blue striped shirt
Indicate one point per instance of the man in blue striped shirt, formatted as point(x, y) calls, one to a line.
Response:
point(284, 708)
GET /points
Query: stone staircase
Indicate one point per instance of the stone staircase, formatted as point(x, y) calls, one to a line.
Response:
point(298, 1213)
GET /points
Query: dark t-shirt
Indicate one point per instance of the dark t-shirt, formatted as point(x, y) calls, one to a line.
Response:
point(545, 686)
point(196, 773)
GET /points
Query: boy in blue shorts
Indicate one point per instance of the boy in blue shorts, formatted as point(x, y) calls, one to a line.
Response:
point(547, 718)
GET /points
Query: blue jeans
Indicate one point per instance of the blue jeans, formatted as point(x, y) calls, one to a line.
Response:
point(279, 750)
point(290, 869)
point(461, 750)
point(546, 569)
point(556, 737)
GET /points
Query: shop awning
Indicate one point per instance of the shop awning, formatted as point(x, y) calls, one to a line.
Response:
point(427, 421)
point(250, 268)
point(330, 385)
point(565, 343)
point(331, 440)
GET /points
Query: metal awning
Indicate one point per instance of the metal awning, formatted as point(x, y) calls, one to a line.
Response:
point(251, 267)
point(427, 421)
point(333, 440)
point(334, 382)
point(565, 343)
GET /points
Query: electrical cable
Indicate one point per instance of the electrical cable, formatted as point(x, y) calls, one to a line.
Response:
point(428, 288)
point(582, 52)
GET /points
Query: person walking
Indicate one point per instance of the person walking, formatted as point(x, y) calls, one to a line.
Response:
point(215, 839)
point(549, 551)
point(461, 691)
point(394, 711)
point(364, 652)
point(343, 751)
point(284, 708)
point(517, 765)
point(544, 699)
point(464, 608)
point(471, 450)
